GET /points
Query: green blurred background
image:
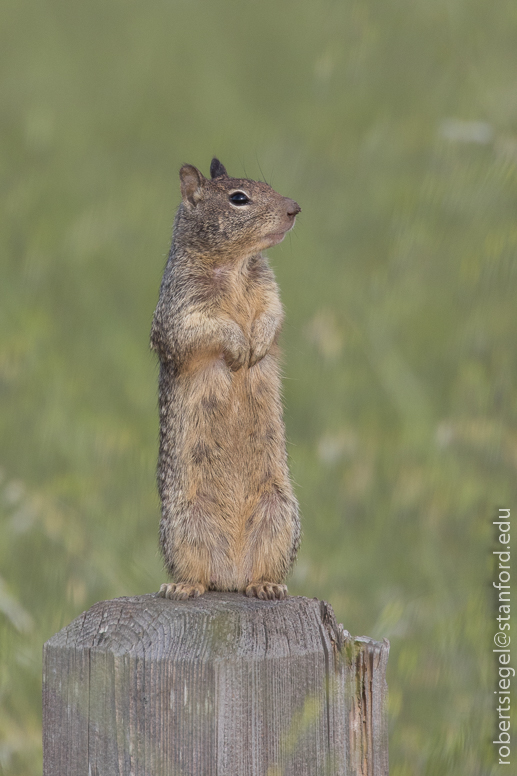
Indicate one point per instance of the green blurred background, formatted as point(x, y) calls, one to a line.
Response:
point(394, 125)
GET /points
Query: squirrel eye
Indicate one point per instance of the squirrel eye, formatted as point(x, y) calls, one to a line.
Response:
point(239, 198)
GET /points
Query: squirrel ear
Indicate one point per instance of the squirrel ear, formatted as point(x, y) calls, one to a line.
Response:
point(217, 170)
point(191, 182)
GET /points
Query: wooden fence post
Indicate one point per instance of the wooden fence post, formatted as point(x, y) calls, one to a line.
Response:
point(221, 685)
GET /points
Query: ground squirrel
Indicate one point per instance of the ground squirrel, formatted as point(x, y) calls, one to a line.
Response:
point(229, 517)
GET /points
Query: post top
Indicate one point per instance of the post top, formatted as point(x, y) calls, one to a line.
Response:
point(213, 626)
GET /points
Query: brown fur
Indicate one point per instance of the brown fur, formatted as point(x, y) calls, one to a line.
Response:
point(229, 517)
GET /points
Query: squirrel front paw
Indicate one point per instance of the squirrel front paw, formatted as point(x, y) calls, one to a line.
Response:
point(236, 358)
point(262, 336)
point(258, 351)
point(236, 349)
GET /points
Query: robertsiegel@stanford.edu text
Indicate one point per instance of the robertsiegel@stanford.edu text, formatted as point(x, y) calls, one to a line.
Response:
point(502, 638)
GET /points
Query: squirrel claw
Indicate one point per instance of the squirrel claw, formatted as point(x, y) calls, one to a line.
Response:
point(236, 361)
point(266, 591)
point(256, 356)
point(181, 591)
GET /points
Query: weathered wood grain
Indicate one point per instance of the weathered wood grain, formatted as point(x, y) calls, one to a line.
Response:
point(222, 685)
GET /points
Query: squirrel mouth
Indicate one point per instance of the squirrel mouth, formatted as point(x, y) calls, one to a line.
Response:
point(276, 237)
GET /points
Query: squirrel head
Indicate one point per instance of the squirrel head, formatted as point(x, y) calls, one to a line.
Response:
point(230, 218)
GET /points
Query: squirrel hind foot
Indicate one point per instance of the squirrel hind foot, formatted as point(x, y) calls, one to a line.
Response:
point(181, 591)
point(266, 591)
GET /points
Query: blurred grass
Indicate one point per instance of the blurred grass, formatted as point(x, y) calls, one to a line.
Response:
point(395, 128)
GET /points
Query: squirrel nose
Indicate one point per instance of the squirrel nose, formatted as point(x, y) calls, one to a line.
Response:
point(293, 208)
